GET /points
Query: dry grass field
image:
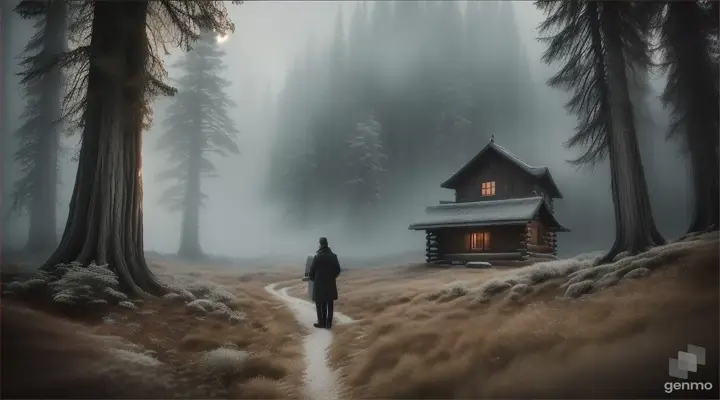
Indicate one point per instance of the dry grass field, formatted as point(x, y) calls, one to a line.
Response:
point(438, 334)
point(180, 351)
point(561, 329)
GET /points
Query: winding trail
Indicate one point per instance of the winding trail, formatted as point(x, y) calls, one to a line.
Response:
point(321, 381)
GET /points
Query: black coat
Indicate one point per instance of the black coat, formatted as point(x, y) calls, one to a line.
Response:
point(324, 270)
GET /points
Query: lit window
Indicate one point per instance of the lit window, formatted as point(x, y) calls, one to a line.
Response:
point(480, 241)
point(488, 188)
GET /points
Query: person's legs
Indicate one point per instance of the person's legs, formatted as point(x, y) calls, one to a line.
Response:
point(320, 314)
point(324, 312)
point(329, 320)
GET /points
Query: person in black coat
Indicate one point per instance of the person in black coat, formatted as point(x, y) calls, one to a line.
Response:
point(324, 270)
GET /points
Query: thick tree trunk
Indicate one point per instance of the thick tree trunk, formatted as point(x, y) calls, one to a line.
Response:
point(105, 222)
point(697, 90)
point(42, 236)
point(704, 163)
point(190, 236)
point(635, 227)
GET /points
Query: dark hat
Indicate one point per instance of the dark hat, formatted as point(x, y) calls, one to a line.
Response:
point(323, 241)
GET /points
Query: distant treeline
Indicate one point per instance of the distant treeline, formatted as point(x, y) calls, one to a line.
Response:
point(404, 94)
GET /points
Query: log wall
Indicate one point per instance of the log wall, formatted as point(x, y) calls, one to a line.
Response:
point(432, 248)
point(550, 240)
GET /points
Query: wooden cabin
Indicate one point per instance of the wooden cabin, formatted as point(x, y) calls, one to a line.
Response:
point(503, 211)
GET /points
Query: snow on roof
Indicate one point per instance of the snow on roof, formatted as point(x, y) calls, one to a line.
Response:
point(483, 213)
point(538, 172)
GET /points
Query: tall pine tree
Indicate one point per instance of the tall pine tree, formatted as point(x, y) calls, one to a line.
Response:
point(599, 42)
point(688, 33)
point(121, 70)
point(39, 136)
point(366, 164)
point(197, 124)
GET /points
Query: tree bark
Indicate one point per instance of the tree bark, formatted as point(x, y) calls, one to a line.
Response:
point(42, 235)
point(105, 221)
point(704, 166)
point(635, 227)
point(698, 92)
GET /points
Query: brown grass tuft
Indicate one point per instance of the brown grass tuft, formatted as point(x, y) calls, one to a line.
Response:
point(257, 388)
point(528, 342)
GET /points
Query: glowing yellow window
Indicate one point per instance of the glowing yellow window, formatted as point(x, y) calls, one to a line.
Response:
point(488, 188)
point(480, 241)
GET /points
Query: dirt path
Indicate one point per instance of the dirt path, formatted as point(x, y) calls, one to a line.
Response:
point(321, 381)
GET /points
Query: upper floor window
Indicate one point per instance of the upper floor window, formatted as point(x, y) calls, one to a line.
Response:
point(488, 189)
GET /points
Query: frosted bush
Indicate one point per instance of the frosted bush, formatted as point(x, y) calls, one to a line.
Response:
point(83, 285)
point(236, 316)
point(197, 307)
point(114, 294)
point(136, 358)
point(127, 304)
point(96, 276)
point(581, 273)
point(178, 291)
point(224, 362)
point(213, 307)
point(220, 309)
point(457, 289)
point(210, 291)
point(494, 286)
point(75, 284)
point(637, 273)
point(580, 288)
point(63, 298)
point(204, 297)
point(521, 288)
point(172, 296)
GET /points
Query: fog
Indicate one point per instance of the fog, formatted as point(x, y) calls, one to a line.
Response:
point(245, 217)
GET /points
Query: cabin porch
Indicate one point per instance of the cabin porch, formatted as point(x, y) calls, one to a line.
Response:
point(512, 229)
point(490, 243)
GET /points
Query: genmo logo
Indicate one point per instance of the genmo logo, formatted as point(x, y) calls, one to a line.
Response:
point(680, 367)
point(687, 386)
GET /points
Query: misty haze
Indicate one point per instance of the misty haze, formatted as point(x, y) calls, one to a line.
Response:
point(251, 210)
point(279, 123)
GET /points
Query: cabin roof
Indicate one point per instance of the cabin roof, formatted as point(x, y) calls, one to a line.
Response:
point(485, 213)
point(536, 172)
